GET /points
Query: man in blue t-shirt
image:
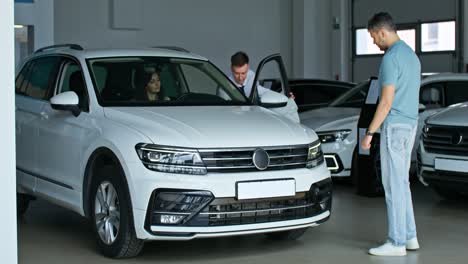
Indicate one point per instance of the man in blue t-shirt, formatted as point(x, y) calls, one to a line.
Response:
point(397, 117)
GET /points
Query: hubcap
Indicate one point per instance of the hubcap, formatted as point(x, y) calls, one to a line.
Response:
point(107, 212)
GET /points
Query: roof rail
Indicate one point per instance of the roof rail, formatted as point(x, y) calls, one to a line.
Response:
point(71, 46)
point(172, 48)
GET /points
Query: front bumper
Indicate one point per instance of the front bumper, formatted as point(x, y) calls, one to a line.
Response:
point(222, 189)
point(206, 216)
point(429, 175)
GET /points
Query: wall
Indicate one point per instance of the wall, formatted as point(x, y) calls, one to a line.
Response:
point(214, 29)
point(39, 14)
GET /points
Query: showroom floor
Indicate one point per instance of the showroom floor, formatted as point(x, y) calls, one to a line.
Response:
point(49, 234)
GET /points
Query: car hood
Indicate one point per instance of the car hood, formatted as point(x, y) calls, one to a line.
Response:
point(212, 126)
point(329, 117)
point(455, 115)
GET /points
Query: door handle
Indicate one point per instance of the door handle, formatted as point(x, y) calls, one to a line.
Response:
point(44, 115)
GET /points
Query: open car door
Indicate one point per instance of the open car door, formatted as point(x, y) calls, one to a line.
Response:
point(275, 97)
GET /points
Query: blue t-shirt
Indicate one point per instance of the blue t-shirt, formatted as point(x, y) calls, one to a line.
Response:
point(401, 67)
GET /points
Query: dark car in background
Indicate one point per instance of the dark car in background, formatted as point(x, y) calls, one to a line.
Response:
point(311, 93)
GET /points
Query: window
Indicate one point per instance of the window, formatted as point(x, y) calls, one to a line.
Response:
point(439, 36)
point(409, 37)
point(20, 83)
point(72, 80)
point(431, 95)
point(41, 77)
point(355, 97)
point(133, 81)
point(457, 92)
point(365, 44)
point(198, 82)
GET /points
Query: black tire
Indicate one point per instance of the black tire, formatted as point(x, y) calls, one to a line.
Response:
point(446, 193)
point(126, 244)
point(22, 203)
point(286, 235)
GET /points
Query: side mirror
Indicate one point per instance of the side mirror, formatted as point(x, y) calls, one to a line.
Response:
point(66, 101)
point(270, 99)
point(421, 108)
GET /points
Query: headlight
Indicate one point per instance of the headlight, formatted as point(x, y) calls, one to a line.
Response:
point(171, 160)
point(332, 136)
point(315, 156)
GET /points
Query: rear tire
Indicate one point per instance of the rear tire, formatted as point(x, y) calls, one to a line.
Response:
point(112, 215)
point(286, 235)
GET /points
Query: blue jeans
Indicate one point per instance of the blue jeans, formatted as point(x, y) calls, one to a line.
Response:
point(396, 143)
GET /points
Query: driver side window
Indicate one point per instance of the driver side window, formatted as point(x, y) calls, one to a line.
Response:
point(198, 81)
point(72, 80)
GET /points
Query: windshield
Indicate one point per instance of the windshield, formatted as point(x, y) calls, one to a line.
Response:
point(355, 97)
point(161, 81)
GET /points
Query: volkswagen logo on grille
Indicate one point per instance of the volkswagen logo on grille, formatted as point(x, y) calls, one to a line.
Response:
point(457, 138)
point(260, 158)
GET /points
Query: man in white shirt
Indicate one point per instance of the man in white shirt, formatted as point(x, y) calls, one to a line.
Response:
point(243, 78)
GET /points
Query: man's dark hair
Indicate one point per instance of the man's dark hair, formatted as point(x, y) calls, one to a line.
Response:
point(381, 20)
point(239, 59)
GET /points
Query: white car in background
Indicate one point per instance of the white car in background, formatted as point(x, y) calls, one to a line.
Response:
point(203, 161)
point(443, 152)
point(336, 125)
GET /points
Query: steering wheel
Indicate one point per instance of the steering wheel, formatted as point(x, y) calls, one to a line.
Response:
point(182, 97)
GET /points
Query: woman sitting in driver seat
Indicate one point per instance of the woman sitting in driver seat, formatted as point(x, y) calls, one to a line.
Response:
point(153, 88)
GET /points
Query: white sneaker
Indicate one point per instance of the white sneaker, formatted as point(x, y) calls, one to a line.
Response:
point(388, 249)
point(412, 244)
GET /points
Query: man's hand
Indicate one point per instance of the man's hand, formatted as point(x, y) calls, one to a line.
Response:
point(366, 142)
point(291, 95)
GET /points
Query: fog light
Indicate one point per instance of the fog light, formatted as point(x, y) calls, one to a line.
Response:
point(170, 219)
point(323, 205)
point(175, 207)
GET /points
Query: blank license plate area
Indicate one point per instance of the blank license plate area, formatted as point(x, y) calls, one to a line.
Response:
point(451, 165)
point(266, 189)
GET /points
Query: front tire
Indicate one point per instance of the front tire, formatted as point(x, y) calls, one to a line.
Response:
point(286, 235)
point(112, 216)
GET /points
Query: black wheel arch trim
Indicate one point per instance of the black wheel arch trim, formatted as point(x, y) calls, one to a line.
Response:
point(108, 157)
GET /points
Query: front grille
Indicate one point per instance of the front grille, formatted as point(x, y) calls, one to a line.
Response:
point(229, 211)
point(447, 140)
point(241, 159)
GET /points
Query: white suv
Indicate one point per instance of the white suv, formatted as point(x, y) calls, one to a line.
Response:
point(443, 152)
point(201, 162)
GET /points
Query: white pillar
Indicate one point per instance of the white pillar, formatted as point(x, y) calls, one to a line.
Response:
point(312, 39)
point(8, 241)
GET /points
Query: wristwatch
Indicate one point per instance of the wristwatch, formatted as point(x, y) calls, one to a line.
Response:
point(368, 133)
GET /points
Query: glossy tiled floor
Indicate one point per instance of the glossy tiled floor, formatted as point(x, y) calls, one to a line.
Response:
point(49, 234)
